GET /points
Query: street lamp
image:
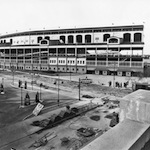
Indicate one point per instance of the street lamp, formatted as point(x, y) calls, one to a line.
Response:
point(114, 75)
point(13, 73)
point(40, 92)
point(3, 81)
point(70, 71)
point(58, 90)
point(32, 74)
point(21, 105)
point(79, 89)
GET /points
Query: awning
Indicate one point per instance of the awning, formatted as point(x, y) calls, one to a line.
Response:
point(131, 69)
point(92, 52)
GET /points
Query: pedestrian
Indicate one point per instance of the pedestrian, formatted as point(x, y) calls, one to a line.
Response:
point(27, 99)
point(37, 97)
point(25, 85)
point(109, 83)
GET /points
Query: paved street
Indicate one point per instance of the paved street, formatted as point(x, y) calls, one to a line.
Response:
point(17, 121)
point(10, 111)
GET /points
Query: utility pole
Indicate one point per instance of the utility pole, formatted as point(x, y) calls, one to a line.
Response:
point(40, 92)
point(114, 75)
point(79, 89)
point(70, 71)
point(58, 90)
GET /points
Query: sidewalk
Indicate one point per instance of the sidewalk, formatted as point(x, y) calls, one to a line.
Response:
point(23, 129)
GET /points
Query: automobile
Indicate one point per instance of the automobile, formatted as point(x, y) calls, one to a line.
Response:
point(86, 81)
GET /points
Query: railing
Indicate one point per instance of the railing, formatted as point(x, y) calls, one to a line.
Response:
point(90, 63)
point(136, 64)
point(44, 61)
point(101, 63)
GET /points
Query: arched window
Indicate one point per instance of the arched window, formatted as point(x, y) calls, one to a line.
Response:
point(47, 38)
point(137, 37)
point(62, 38)
point(79, 38)
point(70, 39)
point(127, 37)
point(105, 37)
point(39, 39)
point(113, 40)
point(44, 42)
point(87, 38)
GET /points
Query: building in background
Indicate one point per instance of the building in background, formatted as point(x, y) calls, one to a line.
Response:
point(116, 50)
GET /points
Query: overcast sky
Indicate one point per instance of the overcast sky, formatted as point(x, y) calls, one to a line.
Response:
point(24, 15)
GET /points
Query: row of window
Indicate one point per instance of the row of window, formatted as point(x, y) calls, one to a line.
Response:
point(79, 39)
point(69, 61)
point(88, 38)
point(71, 69)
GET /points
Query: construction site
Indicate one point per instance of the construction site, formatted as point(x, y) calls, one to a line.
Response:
point(74, 109)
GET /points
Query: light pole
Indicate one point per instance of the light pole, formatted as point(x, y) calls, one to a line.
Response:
point(13, 73)
point(58, 90)
point(21, 105)
point(3, 81)
point(70, 71)
point(40, 92)
point(32, 74)
point(114, 75)
point(79, 89)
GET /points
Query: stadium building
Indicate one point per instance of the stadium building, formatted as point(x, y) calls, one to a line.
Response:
point(98, 50)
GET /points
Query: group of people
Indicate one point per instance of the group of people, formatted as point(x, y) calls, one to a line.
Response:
point(119, 85)
point(2, 88)
point(20, 84)
point(27, 98)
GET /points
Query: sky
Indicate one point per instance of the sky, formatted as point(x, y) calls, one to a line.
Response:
point(25, 15)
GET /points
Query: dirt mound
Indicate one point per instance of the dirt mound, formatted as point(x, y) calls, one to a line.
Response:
point(95, 118)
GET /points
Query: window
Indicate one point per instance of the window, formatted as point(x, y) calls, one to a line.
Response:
point(113, 40)
point(47, 38)
point(39, 39)
point(105, 37)
point(127, 37)
point(62, 39)
point(79, 38)
point(70, 39)
point(87, 38)
point(82, 69)
point(137, 37)
point(44, 42)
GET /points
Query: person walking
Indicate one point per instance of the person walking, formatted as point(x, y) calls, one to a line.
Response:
point(37, 97)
